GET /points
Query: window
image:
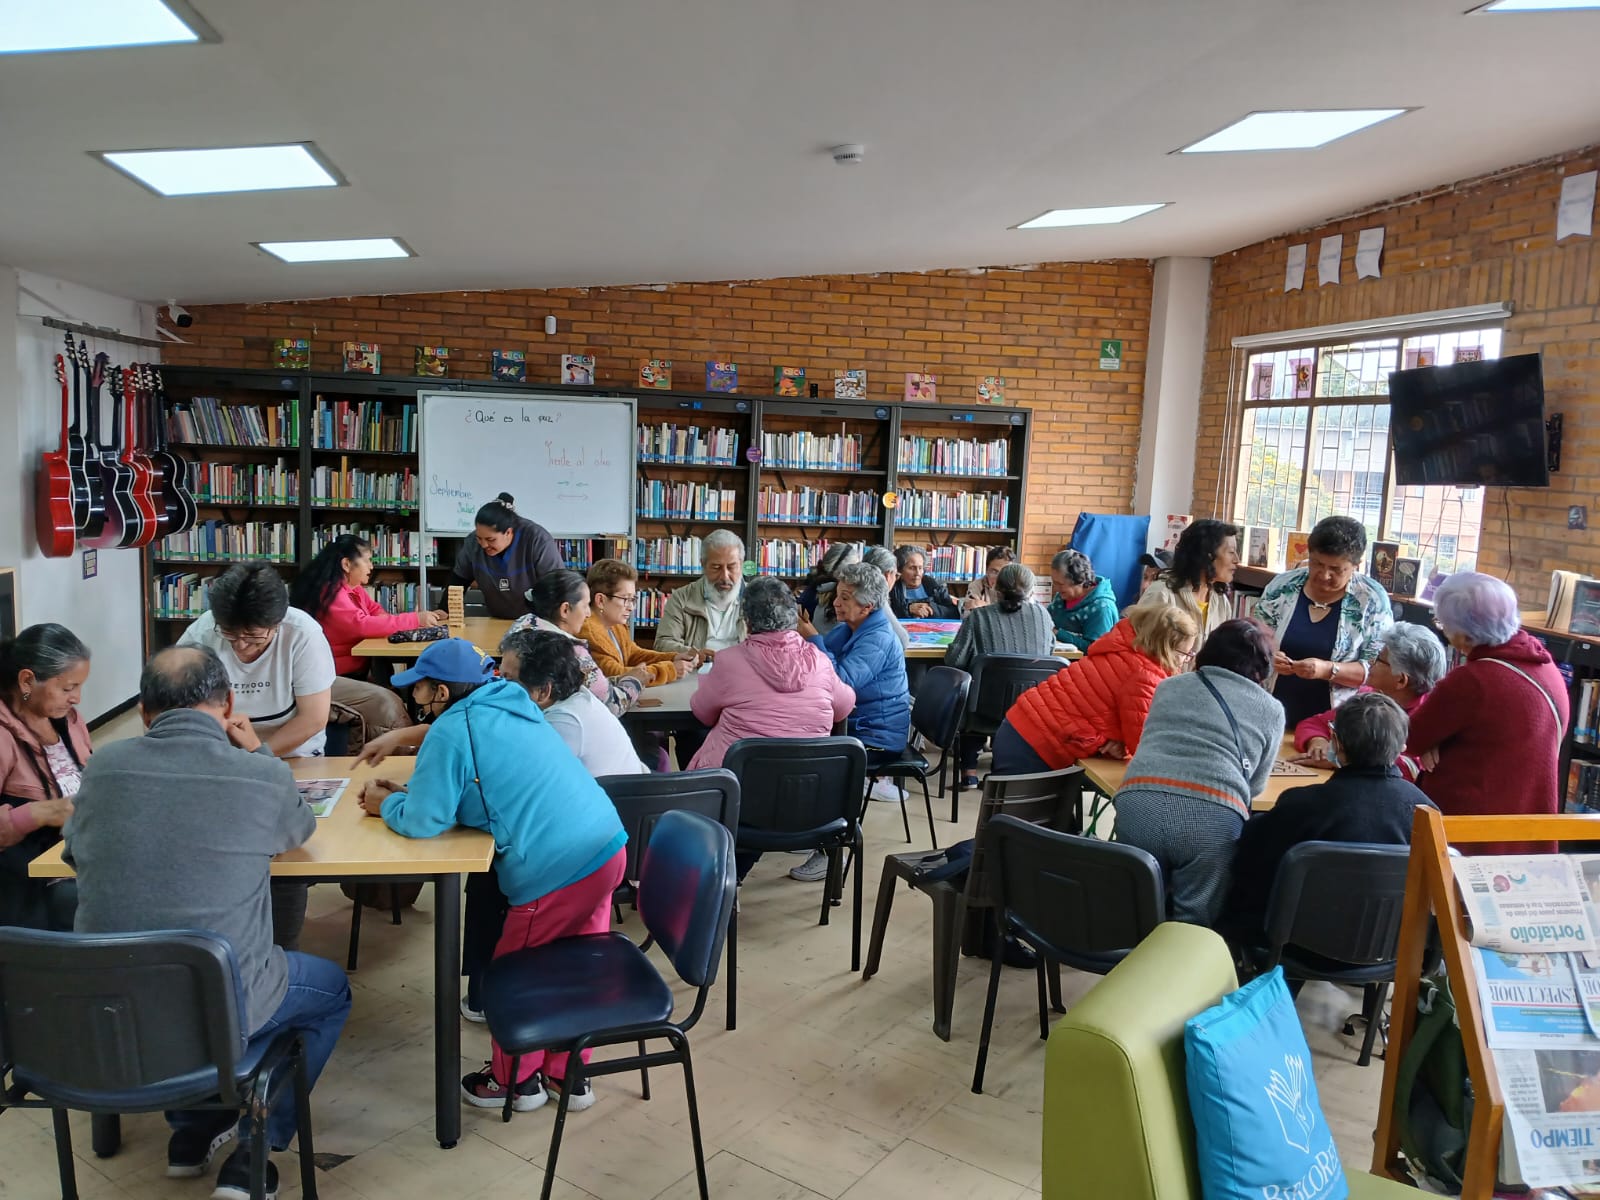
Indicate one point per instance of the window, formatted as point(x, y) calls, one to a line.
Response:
point(1314, 443)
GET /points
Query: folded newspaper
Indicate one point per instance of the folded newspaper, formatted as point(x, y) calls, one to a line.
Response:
point(1526, 903)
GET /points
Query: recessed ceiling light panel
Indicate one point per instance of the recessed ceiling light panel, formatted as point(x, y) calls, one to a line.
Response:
point(1299, 130)
point(1504, 6)
point(34, 27)
point(1061, 218)
point(337, 250)
point(209, 172)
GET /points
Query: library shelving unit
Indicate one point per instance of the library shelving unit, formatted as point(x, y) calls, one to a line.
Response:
point(790, 475)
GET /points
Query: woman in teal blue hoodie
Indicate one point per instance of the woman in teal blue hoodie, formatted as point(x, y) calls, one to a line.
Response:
point(558, 842)
point(1085, 607)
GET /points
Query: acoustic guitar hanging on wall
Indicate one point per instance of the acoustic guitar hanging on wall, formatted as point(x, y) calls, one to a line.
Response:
point(53, 517)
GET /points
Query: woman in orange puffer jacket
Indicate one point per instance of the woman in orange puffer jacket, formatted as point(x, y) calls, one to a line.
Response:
point(1099, 704)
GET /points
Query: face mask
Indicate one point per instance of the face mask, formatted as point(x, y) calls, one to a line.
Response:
point(1332, 754)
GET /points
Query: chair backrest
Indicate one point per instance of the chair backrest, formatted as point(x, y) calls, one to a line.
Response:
point(121, 1022)
point(1116, 1104)
point(1086, 901)
point(998, 679)
point(641, 800)
point(686, 889)
point(791, 785)
point(1046, 798)
point(1114, 543)
point(940, 705)
point(1341, 900)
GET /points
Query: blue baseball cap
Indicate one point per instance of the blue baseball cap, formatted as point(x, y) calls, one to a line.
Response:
point(454, 660)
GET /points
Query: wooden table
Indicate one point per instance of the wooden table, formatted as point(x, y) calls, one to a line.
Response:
point(1107, 773)
point(672, 710)
point(483, 632)
point(350, 843)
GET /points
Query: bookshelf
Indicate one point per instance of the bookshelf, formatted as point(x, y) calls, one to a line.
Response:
point(284, 461)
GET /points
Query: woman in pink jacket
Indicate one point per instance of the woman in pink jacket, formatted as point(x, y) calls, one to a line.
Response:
point(333, 589)
point(773, 684)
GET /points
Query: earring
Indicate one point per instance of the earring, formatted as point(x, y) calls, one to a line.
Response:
point(25, 695)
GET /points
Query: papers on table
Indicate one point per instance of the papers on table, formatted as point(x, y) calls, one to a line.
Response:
point(321, 795)
point(931, 632)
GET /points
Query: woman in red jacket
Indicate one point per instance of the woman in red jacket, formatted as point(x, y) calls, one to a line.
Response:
point(333, 589)
point(1099, 704)
point(1490, 734)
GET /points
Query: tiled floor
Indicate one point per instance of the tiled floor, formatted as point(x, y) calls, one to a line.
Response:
point(830, 1087)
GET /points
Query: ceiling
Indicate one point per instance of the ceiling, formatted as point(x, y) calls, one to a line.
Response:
point(525, 143)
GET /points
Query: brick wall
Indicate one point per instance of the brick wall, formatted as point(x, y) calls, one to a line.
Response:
point(1038, 327)
point(1480, 241)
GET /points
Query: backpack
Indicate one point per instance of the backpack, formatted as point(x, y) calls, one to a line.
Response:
point(1433, 1092)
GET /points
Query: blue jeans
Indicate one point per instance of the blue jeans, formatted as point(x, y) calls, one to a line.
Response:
point(316, 1004)
point(1013, 755)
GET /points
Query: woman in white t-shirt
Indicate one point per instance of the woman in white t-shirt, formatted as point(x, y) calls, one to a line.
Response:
point(546, 665)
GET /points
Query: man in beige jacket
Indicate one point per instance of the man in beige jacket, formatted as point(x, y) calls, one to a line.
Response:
point(704, 615)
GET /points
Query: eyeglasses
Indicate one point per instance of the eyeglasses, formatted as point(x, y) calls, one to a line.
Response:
point(627, 601)
point(1186, 654)
point(246, 639)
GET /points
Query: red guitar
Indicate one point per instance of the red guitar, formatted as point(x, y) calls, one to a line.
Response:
point(138, 462)
point(53, 518)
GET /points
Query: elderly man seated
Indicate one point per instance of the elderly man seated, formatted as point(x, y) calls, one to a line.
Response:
point(704, 614)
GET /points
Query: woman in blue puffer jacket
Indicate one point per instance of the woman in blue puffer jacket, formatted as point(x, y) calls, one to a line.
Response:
point(868, 657)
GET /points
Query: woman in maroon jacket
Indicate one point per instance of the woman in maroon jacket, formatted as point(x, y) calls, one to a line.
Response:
point(1492, 729)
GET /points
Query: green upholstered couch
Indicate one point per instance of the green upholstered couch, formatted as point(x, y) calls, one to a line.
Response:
point(1116, 1109)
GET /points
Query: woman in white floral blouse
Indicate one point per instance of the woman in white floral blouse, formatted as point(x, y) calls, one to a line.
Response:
point(1327, 622)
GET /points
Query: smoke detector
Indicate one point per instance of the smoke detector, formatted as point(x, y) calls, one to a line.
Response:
point(849, 155)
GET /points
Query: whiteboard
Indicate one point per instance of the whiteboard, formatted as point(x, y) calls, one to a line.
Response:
point(569, 462)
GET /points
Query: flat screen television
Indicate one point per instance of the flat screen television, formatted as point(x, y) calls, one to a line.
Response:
point(1469, 424)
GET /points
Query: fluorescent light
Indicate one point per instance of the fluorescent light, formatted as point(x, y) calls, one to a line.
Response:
point(1291, 130)
point(32, 26)
point(1537, 5)
point(1060, 218)
point(337, 250)
point(228, 169)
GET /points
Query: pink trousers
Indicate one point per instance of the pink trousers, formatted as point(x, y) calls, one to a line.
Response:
point(579, 908)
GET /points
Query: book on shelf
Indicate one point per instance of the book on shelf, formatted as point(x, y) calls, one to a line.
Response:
point(578, 370)
point(182, 594)
point(1297, 549)
point(244, 483)
point(1261, 546)
point(1407, 577)
point(1384, 557)
point(668, 555)
point(793, 556)
point(788, 381)
point(1584, 789)
point(656, 373)
point(1558, 610)
point(509, 366)
point(362, 358)
point(208, 419)
point(345, 485)
point(957, 561)
point(921, 388)
point(661, 499)
point(1585, 619)
point(291, 354)
point(364, 425)
point(1584, 718)
point(815, 504)
point(850, 385)
point(226, 541)
point(953, 456)
point(648, 605)
point(579, 554)
point(992, 389)
point(722, 377)
point(392, 546)
point(432, 361)
point(963, 510)
point(672, 443)
point(818, 451)
point(398, 597)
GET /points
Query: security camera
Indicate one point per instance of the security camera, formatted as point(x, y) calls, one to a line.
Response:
point(181, 317)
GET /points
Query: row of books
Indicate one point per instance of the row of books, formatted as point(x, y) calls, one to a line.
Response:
point(668, 554)
point(391, 547)
point(364, 425)
point(648, 606)
point(673, 443)
point(399, 597)
point(957, 561)
point(207, 419)
point(954, 456)
point(660, 499)
point(782, 556)
point(814, 504)
point(1587, 793)
point(1586, 717)
point(344, 485)
point(579, 554)
point(821, 451)
point(252, 483)
point(965, 510)
point(182, 594)
point(220, 541)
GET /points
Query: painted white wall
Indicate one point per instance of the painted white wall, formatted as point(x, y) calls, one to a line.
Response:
point(1179, 308)
point(106, 611)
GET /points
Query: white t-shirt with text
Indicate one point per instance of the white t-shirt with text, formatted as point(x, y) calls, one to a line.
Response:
point(297, 663)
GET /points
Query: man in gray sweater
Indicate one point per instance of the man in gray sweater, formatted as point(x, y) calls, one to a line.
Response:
point(176, 830)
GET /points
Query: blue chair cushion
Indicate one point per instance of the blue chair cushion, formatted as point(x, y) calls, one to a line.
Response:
point(549, 996)
point(1259, 1127)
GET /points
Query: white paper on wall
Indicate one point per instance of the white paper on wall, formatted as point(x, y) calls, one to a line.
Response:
point(1328, 256)
point(1294, 270)
point(1575, 213)
point(1369, 250)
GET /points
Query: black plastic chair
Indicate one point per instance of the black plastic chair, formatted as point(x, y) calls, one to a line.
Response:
point(804, 794)
point(578, 993)
point(940, 706)
point(641, 800)
point(1334, 914)
point(1073, 899)
point(997, 681)
point(140, 1022)
point(1052, 798)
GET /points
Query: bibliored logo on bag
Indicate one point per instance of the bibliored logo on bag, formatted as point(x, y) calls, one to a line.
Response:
point(1291, 1102)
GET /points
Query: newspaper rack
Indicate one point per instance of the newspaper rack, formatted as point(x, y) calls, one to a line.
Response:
point(1431, 891)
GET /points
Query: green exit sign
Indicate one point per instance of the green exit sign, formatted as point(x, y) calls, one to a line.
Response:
point(1111, 354)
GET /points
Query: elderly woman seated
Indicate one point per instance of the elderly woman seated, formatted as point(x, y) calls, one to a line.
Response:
point(1489, 735)
point(1409, 664)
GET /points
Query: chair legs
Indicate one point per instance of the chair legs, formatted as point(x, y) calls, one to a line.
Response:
point(949, 908)
point(1056, 1003)
point(1373, 996)
point(644, 1074)
point(302, 1119)
point(733, 967)
point(1039, 972)
point(988, 1009)
point(830, 883)
point(64, 1166)
point(681, 1043)
point(855, 913)
point(880, 920)
point(927, 802)
point(355, 932)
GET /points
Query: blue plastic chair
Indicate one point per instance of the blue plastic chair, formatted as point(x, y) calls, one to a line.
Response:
point(1114, 544)
point(140, 1022)
point(578, 993)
